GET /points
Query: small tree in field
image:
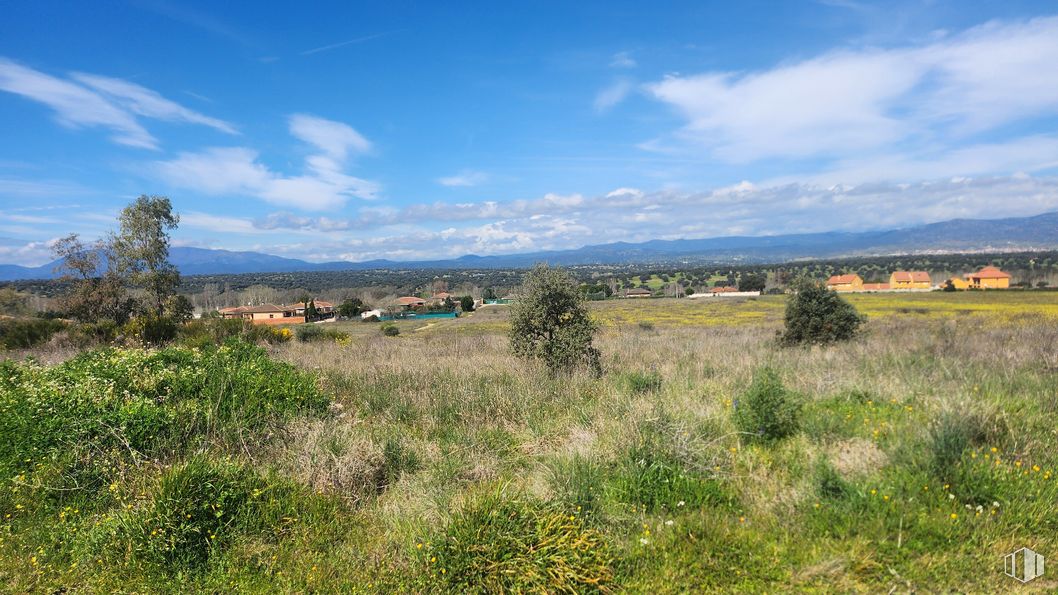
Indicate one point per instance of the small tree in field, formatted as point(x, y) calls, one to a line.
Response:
point(550, 323)
point(817, 315)
point(466, 303)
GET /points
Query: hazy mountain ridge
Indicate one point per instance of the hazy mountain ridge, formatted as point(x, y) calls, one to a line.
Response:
point(1039, 232)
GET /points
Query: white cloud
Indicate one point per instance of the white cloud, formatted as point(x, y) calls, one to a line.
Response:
point(100, 102)
point(612, 95)
point(74, 105)
point(852, 102)
point(464, 178)
point(236, 171)
point(145, 102)
point(335, 139)
point(622, 60)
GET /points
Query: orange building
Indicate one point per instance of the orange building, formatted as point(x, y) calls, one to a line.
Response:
point(910, 280)
point(989, 278)
point(851, 282)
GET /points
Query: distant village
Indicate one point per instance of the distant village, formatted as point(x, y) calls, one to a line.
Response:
point(446, 305)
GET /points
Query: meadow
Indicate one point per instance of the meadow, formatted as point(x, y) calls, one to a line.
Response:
point(434, 461)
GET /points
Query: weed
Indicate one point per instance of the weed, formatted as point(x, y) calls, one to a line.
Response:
point(767, 411)
point(498, 543)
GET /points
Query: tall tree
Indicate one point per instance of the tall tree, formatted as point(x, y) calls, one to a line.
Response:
point(141, 248)
point(95, 293)
point(550, 323)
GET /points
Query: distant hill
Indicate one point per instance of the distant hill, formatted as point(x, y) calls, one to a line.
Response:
point(958, 235)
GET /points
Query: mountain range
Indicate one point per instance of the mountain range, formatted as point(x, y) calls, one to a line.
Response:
point(1039, 232)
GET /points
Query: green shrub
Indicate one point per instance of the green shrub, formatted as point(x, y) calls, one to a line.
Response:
point(133, 403)
point(817, 315)
point(499, 544)
point(308, 332)
point(550, 323)
point(767, 411)
point(196, 509)
point(23, 333)
point(389, 330)
point(150, 329)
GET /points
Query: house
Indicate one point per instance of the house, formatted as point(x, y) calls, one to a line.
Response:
point(910, 280)
point(723, 289)
point(988, 278)
point(409, 302)
point(638, 292)
point(324, 309)
point(233, 312)
point(851, 282)
point(960, 284)
point(270, 314)
point(877, 287)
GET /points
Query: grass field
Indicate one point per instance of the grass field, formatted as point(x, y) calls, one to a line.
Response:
point(435, 462)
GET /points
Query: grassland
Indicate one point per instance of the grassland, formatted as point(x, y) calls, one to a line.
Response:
point(435, 462)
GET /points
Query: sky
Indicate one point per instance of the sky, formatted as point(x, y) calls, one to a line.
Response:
point(425, 130)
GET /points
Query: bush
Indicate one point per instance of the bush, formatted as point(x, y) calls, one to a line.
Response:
point(817, 315)
point(131, 403)
point(550, 323)
point(501, 545)
point(151, 329)
point(197, 508)
point(23, 333)
point(308, 332)
point(466, 303)
point(767, 411)
point(389, 330)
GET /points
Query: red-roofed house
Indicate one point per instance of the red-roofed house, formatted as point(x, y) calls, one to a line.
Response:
point(989, 278)
point(851, 282)
point(910, 280)
point(408, 302)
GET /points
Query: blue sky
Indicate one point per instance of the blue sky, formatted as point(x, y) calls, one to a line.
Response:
point(426, 130)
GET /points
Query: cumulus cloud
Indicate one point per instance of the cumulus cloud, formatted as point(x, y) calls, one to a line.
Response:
point(237, 171)
point(857, 101)
point(88, 100)
point(555, 222)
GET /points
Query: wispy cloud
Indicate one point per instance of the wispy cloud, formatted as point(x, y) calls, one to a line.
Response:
point(236, 171)
point(145, 102)
point(464, 178)
point(94, 101)
point(854, 102)
point(612, 95)
point(622, 60)
point(352, 41)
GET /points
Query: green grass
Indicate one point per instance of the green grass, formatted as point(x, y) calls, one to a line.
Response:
point(923, 451)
